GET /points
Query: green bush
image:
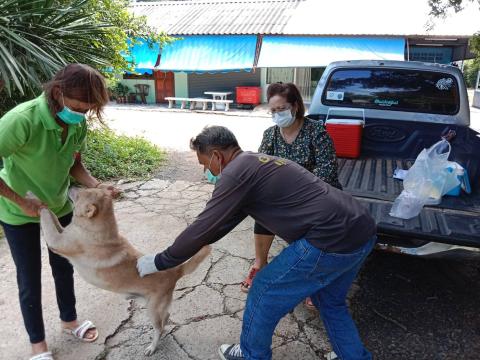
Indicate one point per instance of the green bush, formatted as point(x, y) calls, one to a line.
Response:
point(470, 71)
point(110, 156)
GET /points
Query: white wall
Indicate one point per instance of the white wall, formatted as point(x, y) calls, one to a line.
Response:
point(151, 92)
point(181, 84)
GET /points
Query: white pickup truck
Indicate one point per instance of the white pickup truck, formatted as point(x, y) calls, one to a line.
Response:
point(407, 106)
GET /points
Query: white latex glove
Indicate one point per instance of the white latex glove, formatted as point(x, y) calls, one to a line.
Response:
point(146, 265)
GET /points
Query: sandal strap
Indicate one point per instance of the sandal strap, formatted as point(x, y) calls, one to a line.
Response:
point(80, 331)
point(250, 276)
point(43, 356)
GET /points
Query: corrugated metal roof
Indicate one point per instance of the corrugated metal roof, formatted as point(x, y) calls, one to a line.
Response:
point(219, 17)
point(303, 17)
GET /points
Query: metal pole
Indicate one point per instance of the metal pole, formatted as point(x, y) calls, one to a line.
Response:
point(408, 50)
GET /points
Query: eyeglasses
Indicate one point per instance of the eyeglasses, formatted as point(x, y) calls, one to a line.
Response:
point(279, 109)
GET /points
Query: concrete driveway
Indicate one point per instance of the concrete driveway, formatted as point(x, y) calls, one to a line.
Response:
point(173, 129)
point(208, 305)
point(475, 118)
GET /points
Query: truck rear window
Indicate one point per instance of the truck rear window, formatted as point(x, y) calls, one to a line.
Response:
point(393, 89)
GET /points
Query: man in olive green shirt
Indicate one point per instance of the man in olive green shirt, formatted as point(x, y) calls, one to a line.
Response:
point(41, 142)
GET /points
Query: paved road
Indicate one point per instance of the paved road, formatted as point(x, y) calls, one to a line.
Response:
point(475, 118)
point(173, 129)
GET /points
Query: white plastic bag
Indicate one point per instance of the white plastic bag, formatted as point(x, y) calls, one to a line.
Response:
point(407, 205)
point(426, 182)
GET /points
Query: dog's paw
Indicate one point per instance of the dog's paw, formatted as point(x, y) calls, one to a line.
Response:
point(150, 350)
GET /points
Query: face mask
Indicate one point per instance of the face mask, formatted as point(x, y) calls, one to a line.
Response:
point(212, 179)
point(68, 116)
point(283, 118)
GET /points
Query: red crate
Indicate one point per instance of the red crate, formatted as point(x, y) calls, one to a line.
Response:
point(346, 136)
point(248, 95)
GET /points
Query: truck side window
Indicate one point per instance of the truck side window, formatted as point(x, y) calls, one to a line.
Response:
point(393, 89)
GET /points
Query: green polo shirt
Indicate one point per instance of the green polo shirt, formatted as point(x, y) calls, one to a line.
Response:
point(35, 159)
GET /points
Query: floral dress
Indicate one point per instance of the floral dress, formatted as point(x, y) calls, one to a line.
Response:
point(313, 149)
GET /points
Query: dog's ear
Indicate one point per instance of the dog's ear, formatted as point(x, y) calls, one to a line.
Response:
point(89, 211)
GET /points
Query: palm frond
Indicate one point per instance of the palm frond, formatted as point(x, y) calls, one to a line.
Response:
point(38, 37)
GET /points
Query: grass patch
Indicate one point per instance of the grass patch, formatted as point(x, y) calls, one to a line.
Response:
point(111, 156)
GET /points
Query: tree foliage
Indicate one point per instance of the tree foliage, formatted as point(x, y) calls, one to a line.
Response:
point(440, 8)
point(38, 37)
point(470, 71)
point(124, 31)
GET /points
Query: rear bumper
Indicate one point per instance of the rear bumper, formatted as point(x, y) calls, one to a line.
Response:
point(434, 250)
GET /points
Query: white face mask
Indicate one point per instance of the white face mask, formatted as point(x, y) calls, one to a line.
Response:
point(283, 118)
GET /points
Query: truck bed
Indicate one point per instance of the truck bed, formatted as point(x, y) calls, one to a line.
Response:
point(455, 221)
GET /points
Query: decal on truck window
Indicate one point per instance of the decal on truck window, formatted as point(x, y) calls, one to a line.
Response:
point(385, 102)
point(335, 95)
point(444, 84)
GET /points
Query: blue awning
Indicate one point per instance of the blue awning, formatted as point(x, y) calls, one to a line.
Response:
point(209, 53)
point(307, 51)
point(145, 57)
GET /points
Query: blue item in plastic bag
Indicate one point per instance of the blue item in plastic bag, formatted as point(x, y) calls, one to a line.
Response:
point(462, 176)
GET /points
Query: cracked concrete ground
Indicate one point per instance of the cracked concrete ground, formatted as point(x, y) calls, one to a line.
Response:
point(405, 307)
point(208, 305)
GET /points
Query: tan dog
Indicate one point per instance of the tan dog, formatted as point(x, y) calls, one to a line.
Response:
point(107, 260)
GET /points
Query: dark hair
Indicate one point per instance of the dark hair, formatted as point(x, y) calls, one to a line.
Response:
point(290, 92)
point(213, 138)
point(79, 82)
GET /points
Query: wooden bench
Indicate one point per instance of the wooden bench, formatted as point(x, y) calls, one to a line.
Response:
point(194, 101)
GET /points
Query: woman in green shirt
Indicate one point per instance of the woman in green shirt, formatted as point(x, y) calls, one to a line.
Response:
point(41, 142)
point(297, 138)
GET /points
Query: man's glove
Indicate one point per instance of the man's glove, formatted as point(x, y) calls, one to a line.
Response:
point(146, 265)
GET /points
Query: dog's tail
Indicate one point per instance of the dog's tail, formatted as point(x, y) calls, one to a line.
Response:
point(192, 264)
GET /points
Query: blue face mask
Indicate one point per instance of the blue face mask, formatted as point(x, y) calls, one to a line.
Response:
point(210, 177)
point(70, 117)
point(283, 118)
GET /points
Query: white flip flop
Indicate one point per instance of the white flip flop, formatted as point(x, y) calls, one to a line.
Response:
point(43, 356)
point(80, 331)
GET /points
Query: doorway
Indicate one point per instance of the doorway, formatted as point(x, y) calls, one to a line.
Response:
point(164, 85)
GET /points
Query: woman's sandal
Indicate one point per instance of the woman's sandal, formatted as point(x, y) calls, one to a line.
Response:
point(247, 283)
point(43, 356)
point(80, 331)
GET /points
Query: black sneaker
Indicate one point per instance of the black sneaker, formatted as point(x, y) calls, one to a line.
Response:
point(230, 352)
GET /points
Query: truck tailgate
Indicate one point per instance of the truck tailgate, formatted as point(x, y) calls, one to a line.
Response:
point(455, 221)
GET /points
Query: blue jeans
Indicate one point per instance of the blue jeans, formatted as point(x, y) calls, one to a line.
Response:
point(25, 246)
point(302, 270)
